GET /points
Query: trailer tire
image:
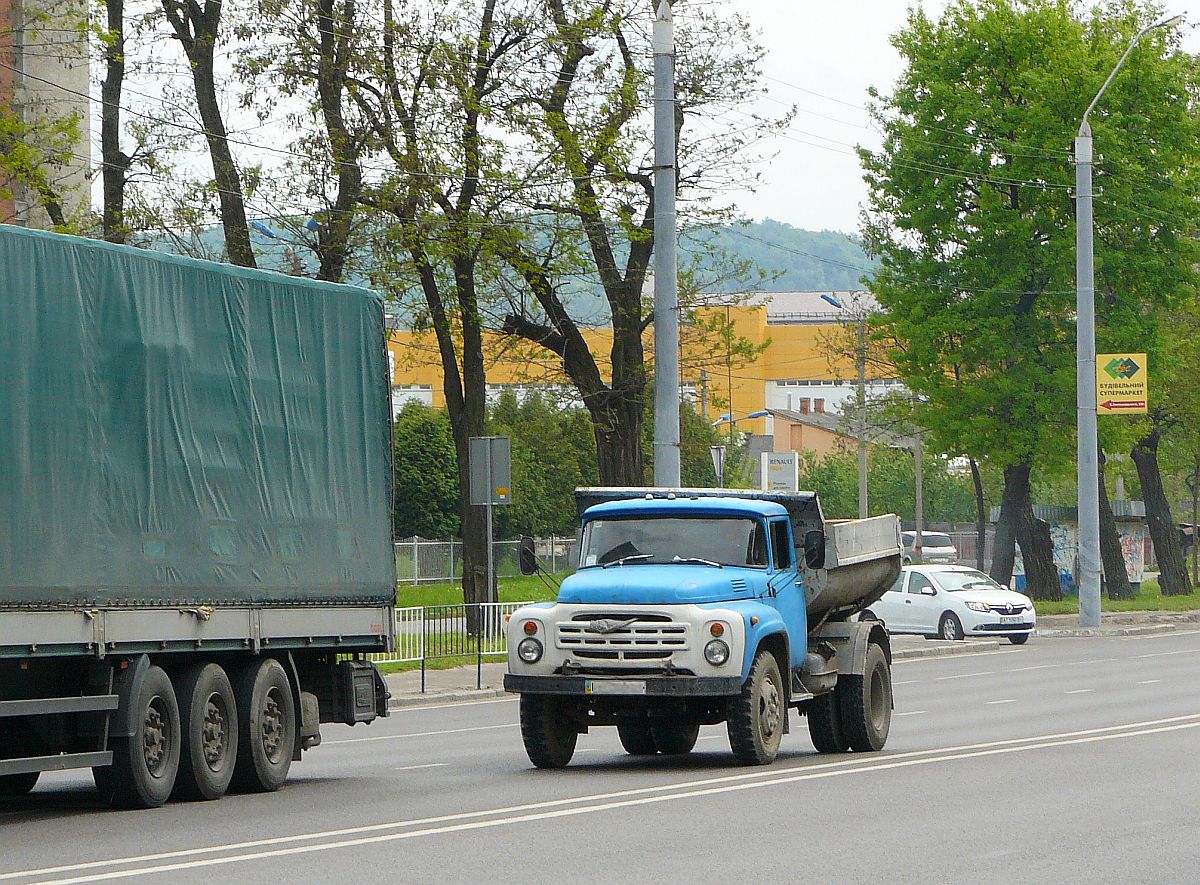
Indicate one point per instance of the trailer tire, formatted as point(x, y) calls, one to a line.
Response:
point(209, 733)
point(636, 737)
point(675, 737)
point(145, 765)
point(547, 731)
point(266, 726)
point(18, 784)
point(866, 703)
point(825, 724)
point(756, 720)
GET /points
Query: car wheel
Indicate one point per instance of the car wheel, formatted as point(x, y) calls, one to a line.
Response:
point(950, 627)
point(1018, 638)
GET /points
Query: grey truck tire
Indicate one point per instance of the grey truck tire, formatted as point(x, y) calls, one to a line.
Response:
point(266, 727)
point(145, 765)
point(866, 703)
point(208, 734)
point(825, 724)
point(547, 731)
point(675, 737)
point(18, 784)
point(636, 737)
point(757, 718)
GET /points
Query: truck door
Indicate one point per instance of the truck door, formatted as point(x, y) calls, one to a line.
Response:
point(787, 593)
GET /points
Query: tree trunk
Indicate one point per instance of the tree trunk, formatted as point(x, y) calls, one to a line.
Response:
point(980, 518)
point(1018, 523)
point(1116, 574)
point(1173, 576)
point(114, 162)
point(618, 432)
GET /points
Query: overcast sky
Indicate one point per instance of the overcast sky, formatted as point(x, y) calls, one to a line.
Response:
point(822, 55)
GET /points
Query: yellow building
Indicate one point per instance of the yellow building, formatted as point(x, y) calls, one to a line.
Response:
point(804, 346)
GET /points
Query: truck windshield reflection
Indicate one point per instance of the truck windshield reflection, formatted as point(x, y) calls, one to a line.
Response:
point(714, 540)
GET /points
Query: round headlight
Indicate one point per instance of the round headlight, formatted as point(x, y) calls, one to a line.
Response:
point(716, 652)
point(529, 651)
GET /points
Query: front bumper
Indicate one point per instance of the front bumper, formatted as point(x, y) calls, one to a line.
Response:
point(633, 686)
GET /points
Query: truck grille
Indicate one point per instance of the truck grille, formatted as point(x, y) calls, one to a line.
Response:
point(617, 637)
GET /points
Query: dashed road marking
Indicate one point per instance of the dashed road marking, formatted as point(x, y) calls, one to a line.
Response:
point(416, 767)
point(1004, 701)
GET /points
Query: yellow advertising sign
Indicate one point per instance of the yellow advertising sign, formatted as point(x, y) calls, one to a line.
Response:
point(1121, 384)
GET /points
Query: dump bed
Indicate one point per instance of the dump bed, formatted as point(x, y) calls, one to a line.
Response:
point(179, 432)
point(862, 556)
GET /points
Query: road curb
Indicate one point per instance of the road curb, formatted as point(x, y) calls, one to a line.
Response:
point(941, 651)
point(445, 697)
point(1137, 630)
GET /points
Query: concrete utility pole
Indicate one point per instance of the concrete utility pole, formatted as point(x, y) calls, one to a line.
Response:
point(861, 404)
point(919, 493)
point(704, 394)
point(1085, 360)
point(666, 295)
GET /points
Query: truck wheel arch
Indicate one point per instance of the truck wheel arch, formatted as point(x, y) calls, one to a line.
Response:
point(778, 645)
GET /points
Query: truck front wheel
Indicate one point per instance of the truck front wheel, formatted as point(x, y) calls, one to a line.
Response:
point(866, 703)
point(547, 730)
point(756, 720)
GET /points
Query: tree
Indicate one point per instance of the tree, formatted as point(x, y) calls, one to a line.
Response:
point(425, 501)
point(970, 214)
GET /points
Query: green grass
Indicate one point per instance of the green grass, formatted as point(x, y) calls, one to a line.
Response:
point(519, 589)
point(1149, 598)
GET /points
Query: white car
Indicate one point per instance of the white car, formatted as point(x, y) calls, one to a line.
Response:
point(950, 602)
point(935, 547)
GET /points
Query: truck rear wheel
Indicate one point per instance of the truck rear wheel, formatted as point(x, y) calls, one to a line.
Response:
point(18, 784)
point(547, 730)
point(756, 720)
point(145, 765)
point(675, 738)
point(825, 724)
point(636, 737)
point(266, 727)
point(866, 703)
point(208, 737)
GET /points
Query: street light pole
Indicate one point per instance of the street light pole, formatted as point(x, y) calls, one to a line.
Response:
point(1085, 362)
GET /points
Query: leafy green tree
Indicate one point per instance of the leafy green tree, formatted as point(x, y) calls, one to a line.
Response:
point(426, 474)
point(970, 214)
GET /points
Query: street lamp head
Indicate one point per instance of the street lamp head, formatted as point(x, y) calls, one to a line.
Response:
point(1085, 130)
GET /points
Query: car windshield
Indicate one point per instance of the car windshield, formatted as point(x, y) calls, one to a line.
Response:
point(965, 580)
point(928, 539)
point(717, 540)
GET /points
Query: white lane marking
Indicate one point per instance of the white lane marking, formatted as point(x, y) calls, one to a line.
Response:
point(415, 767)
point(711, 737)
point(609, 806)
point(967, 675)
point(1189, 720)
point(1080, 690)
point(912, 713)
point(908, 682)
point(1164, 654)
point(1038, 667)
point(420, 734)
point(1005, 701)
point(1149, 681)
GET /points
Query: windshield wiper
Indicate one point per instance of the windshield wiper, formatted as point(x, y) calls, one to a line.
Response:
point(696, 559)
point(630, 558)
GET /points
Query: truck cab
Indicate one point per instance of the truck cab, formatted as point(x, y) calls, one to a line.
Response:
point(688, 607)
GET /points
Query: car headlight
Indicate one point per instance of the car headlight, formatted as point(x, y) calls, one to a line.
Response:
point(716, 652)
point(529, 651)
point(978, 606)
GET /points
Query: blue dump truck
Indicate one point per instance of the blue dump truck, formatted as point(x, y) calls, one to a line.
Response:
point(694, 607)
point(195, 518)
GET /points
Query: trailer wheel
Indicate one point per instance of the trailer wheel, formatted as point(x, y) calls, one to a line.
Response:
point(756, 719)
point(209, 733)
point(266, 727)
point(675, 738)
point(636, 737)
point(825, 724)
point(547, 730)
point(866, 703)
point(145, 765)
point(18, 784)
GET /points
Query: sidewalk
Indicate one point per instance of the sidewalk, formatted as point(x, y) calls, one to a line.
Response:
point(1117, 623)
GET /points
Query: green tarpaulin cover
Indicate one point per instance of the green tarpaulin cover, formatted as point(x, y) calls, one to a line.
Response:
point(182, 432)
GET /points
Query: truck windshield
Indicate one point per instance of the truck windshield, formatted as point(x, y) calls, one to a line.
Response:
point(721, 540)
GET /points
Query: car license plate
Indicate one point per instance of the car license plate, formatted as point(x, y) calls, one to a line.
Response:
point(1010, 619)
point(614, 686)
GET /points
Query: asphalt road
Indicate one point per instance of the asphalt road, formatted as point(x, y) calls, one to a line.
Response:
point(1066, 760)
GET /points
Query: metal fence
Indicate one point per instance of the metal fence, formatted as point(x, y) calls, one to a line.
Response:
point(419, 561)
point(461, 632)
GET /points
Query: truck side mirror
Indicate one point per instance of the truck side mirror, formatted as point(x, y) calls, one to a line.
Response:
point(814, 549)
point(526, 556)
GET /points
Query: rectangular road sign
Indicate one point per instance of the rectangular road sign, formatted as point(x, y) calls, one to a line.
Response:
point(1121, 384)
point(490, 460)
